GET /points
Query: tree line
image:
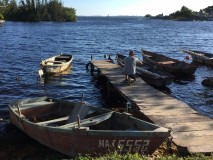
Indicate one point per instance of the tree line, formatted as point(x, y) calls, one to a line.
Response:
point(184, 14)
point(36, 10)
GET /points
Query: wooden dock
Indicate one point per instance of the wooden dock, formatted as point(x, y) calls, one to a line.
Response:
point(191, 131)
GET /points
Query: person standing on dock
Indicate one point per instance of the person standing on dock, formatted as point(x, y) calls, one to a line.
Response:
point(130, 66)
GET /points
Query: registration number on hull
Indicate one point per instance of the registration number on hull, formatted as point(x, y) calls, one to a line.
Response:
point(126, 145)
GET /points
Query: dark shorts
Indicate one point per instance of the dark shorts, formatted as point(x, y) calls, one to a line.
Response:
point(132, 76)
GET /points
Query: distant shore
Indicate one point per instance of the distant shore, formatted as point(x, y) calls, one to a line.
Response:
point(196, 18)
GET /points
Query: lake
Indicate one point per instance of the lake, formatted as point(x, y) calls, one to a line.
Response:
point(24, 45)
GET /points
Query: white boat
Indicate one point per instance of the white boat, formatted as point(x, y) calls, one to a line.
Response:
point(56, 64)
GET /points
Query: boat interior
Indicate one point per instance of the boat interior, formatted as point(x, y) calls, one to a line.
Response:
point(161, 59)
point(62, 114)
point(63, 58)
point(202, 53)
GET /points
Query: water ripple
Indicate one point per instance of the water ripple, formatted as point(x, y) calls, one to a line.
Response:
point(24, 45)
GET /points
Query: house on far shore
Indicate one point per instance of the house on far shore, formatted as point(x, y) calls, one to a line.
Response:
point(160, 15)
point(206, 14)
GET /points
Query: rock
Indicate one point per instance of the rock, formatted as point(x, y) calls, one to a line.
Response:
point(208, 81)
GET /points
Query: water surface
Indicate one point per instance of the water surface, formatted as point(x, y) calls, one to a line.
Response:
point(24, 45)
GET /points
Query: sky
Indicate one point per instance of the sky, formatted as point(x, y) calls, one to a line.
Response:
point(133, 7)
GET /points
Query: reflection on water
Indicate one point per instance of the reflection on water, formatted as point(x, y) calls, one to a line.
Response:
point(61, 75)
point(24, 45)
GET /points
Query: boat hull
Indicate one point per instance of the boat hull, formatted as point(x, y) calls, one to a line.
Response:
point(154, 77)
point(200, 57)
point(56, 64)
point(173, 66)
point(162, 80)
point(73, 141)
point(81, 141)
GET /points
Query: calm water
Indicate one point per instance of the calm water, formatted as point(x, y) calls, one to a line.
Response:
point(24, 45)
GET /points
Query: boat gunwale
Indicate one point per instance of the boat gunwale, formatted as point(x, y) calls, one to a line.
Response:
point(153, 127)
point(145, 74)
point(185, 68)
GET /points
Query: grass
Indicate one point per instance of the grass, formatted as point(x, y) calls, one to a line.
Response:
point(136, 156)
point(35, 151)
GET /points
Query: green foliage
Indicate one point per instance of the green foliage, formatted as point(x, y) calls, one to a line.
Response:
point(115, 156)
point(136, 156)
point(1, 17)
point(208, 9)
point(183, 13)
point(69, 14)
point(11, 10)
point(148, 16)
point(38, 10)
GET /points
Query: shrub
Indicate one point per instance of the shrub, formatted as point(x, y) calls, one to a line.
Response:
point(1, 17)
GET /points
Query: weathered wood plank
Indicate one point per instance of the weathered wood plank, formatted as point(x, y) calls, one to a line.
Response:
point(191, 126)
point(169, 112)
point(200, 133)
point(194, 141)
point(190, 129)
point(53, 121)
point(202, 148)
point(183, 118)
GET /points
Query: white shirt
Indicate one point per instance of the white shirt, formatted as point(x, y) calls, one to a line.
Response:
point(130, 65)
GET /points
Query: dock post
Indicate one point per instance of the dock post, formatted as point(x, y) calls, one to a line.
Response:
point(128, 105)
point(169, 142)
point(82, 98)
point(78, 119)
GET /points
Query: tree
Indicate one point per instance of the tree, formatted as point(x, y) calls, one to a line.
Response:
point(55, 9)
point(11, 10)
point(209, 10)
point(69, 14)
point(148, 15)
point(183, 13)
point(1, 17)
point(37, 10)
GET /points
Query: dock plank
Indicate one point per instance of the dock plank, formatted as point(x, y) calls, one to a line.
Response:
point(181, 118)
point(200, 133)
point(189, 129)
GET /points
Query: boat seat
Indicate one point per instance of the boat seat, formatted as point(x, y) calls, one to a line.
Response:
point(89, 121)
point(166, 62)
point(53, 121)
point(149, 56)
point(81, 110)
point(53, 61)
point(63, 57)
